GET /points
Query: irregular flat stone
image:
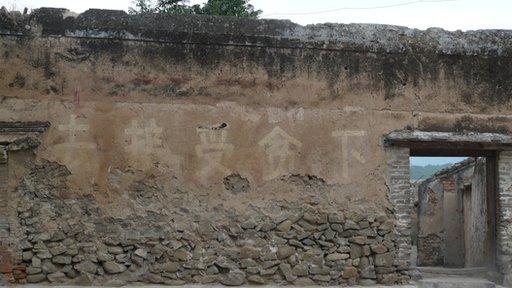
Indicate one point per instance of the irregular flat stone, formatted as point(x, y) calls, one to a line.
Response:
point(350, 225)
point(58, 249)
point(172, 282)
point(36, 262)
point(304, 282)
point(61, 259)
point(300, 270)
point(112, 267)
point(233, 279)
point(379, 248)
point(206, 279)
point(285, 251)
point(349, 272)
point(361, 240)
point(267, 226)
point(284, 226)
point(183, 255)
point(256, 279)
point(115, 250)
point(384, 260)
point(56, 277)
point(337, 227)
point(103, 256)
point(336, 256)
point(322, 278)
point(27, 255)
point(329, 234)
point(44, 255)
point(87, 267)
point(249, 252)
point(33, 270)
point(336, 218)
point(356, 251)
point(286, 269)
point(248, 262)
point(143, 253)
point(171, 267)
point(48, 267)
point(36, 278)
point(368, 273)
point(154, 279)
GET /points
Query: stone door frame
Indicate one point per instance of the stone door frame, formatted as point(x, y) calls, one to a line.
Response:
point(400, 145)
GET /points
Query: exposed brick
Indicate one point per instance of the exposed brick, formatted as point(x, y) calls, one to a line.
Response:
point(504, 233)
point(399, 194)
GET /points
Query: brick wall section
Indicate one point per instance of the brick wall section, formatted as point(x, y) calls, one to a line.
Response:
point(4, 209)
point(399, 193)
point(449, 185)
point(5, 258)
point(504, 225)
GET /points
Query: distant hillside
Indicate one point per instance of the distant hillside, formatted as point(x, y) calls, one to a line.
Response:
point(424, 172)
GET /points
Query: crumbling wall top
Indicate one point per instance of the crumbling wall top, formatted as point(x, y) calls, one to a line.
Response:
point(115, 24)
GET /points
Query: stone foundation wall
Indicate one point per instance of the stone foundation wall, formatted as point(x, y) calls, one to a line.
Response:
point(306, 242)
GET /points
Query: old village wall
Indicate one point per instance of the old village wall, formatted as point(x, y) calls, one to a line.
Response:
point(173, 149)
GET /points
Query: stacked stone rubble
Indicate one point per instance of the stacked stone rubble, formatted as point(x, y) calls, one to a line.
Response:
point(71, 241)
point(313, 247)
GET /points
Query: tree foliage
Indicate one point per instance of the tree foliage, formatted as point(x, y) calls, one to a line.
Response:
point(238, 8)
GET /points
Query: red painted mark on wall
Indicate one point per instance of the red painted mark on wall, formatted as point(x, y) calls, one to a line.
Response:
point(77, 103)
point(77, 98)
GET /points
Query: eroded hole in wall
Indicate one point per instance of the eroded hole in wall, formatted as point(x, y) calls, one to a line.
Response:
point(236, 184)
point(213, 127)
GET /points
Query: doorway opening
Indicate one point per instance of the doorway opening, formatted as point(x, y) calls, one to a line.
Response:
point(490, 152)
point(454, 211)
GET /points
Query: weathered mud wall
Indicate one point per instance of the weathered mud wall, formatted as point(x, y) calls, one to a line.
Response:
point(430, 224)
point(204, 149)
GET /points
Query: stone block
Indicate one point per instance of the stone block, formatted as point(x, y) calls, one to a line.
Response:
point(233, 279)
point(56, 277)
point(61, 259)
point(384, 260)
point(284, 251)
point(112, 267)
point(349, 272)
point(336, 256)
point(87, 267)
point(36, 278)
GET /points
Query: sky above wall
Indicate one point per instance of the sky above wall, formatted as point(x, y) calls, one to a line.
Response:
point(424, 161)
point(447, 14)
point(421, 14)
